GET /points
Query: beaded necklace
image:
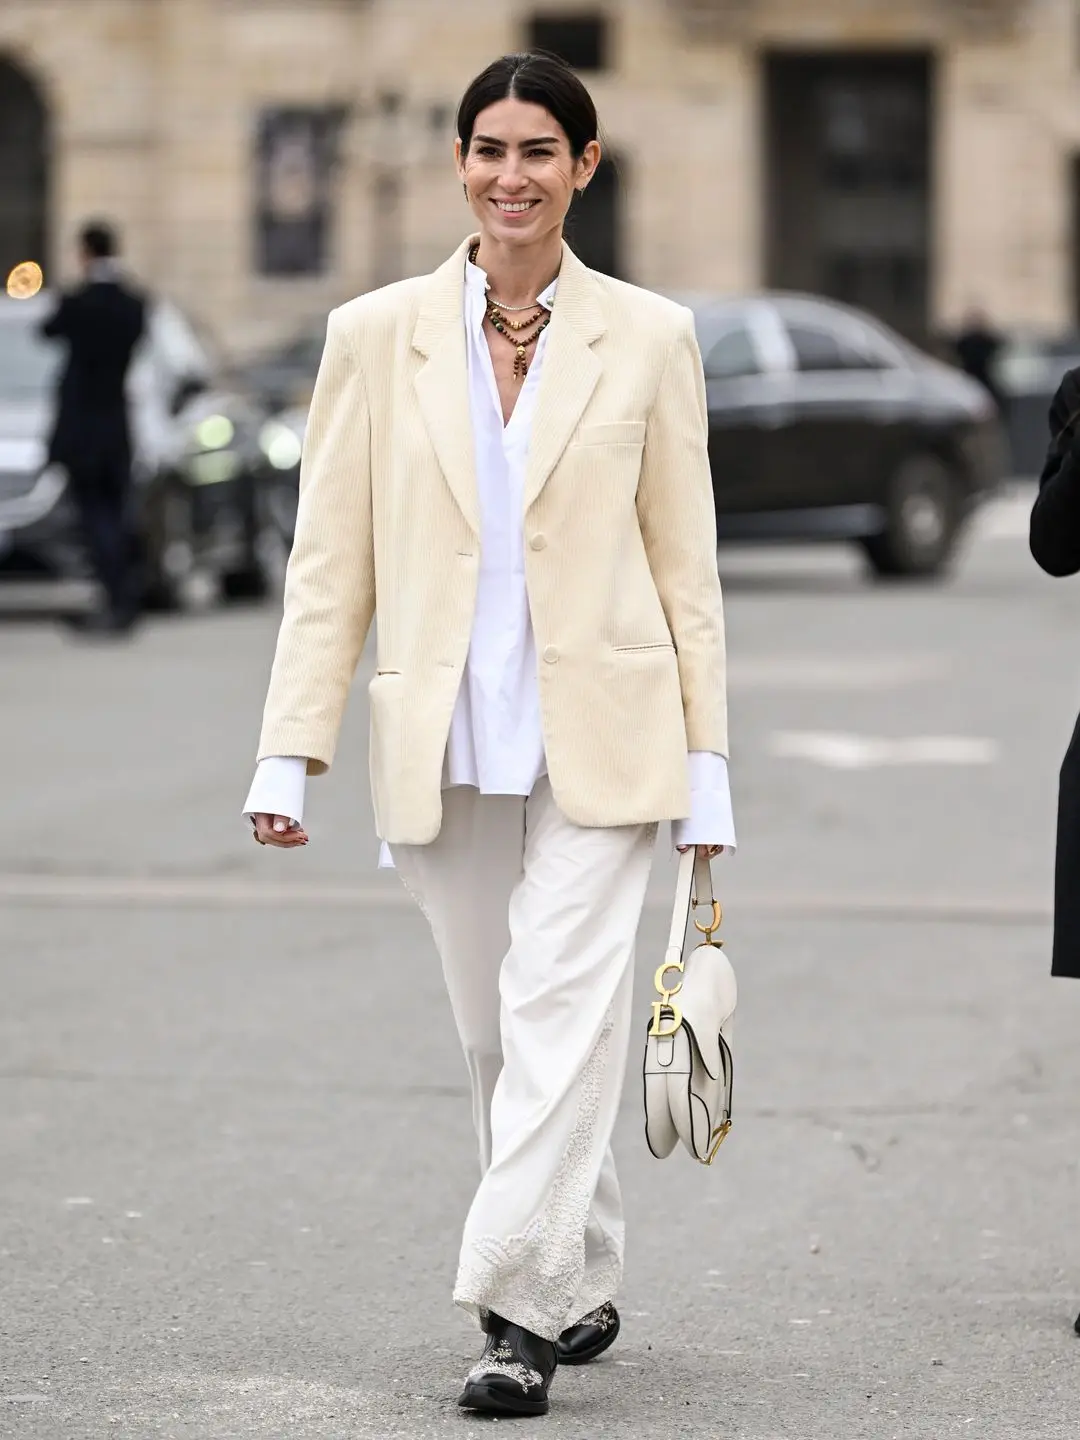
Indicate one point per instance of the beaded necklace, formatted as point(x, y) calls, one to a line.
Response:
point(511, 329)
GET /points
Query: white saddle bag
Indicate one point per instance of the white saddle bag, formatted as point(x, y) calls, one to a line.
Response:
point(688, 1063)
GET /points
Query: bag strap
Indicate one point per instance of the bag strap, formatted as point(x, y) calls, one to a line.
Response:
point(693, 886)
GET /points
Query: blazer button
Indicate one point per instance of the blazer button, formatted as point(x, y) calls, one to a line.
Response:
point(538, 542)
point(551, 654)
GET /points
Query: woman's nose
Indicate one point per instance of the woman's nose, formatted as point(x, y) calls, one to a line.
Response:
point(511, 176)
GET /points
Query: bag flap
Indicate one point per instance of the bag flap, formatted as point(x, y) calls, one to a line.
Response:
point(707, 1000)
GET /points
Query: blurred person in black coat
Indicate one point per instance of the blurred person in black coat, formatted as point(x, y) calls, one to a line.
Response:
point(1055, 544)
point(977, 347)
point(102, 322)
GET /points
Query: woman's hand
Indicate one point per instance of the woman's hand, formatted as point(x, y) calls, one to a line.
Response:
point(280, 831)
point(705, 852)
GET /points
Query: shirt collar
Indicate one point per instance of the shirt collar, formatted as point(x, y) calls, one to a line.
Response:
point(103, 270)
point(476, 282)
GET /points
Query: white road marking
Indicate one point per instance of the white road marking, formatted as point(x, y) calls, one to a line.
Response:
point(832, 672)
point(868, 752)
point(185, 892)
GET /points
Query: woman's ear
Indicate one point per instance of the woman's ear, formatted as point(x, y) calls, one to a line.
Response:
point(588, 163)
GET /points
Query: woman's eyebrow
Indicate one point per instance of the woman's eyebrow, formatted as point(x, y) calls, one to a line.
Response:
point(541, 140)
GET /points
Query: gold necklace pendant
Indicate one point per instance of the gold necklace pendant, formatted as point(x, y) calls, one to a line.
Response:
point(519, 342)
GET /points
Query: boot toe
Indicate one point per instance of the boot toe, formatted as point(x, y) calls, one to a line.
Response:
point(590, 1337)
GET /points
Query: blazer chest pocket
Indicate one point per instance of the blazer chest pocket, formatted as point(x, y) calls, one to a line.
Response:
point(612, 432)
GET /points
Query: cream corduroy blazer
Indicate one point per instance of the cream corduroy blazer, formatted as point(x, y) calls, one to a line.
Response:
point(620, 550)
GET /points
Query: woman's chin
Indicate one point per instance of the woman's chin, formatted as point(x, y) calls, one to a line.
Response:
point(514, 232)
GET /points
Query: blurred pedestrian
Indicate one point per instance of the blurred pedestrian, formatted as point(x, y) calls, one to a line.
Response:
point(507, 462)
point(101, 321)
point(977, 347)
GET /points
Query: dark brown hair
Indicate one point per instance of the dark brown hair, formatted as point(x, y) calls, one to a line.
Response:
point(541, 79)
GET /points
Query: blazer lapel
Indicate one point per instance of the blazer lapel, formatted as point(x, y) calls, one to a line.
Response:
point(570, 372)
point(442, 384)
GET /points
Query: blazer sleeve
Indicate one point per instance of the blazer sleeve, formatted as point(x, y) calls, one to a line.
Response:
point(330, 580)
point(678, 525)
point(1055, 517)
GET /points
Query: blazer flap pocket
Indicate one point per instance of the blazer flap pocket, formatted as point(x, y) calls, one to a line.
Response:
point(613, 432)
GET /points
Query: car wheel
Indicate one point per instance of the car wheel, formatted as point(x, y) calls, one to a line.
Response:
point(925, 517)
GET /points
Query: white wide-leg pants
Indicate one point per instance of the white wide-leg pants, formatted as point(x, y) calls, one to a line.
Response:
point(535, 920)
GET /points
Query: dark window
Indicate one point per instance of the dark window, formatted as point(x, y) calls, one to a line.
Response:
point(296, 193)
point(580, 40)
point(732, 355)
point(849, 142)
point(819, 349)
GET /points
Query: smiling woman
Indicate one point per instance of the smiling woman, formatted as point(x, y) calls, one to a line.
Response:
point(507, 461)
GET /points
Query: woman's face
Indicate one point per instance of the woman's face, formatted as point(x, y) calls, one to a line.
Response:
point(519, 173)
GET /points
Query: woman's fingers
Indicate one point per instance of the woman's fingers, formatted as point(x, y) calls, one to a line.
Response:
point(280, 831)
point(707, 852)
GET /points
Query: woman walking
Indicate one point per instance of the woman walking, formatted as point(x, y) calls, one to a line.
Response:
point(507, 461)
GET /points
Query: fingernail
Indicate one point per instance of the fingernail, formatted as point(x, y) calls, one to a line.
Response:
point(279, 826)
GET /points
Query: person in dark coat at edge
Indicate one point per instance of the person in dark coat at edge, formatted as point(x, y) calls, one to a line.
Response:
point(102, 321)
point(977, 347)
point(1055, 544)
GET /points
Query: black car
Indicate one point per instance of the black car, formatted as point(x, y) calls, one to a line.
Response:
point(202, 499)
point(825, 425)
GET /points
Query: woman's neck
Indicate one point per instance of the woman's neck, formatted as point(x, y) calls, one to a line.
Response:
point(518, 274)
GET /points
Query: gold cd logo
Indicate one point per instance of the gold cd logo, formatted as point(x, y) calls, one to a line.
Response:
point(25, 281)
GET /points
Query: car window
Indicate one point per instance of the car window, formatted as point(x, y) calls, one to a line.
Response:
point(819, 348)
point(732, 355)
point(875, 349)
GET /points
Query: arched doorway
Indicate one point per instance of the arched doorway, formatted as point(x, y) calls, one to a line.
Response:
point(24, 160)
point(594, 225)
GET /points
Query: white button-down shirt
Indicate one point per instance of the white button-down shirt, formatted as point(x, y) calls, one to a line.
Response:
point(496, 740)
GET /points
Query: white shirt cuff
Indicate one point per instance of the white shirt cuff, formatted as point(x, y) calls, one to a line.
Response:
point(710, 821)
point(278, 788)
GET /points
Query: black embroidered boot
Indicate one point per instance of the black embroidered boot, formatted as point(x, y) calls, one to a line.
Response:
point(591, 1336)
point(513, 1374)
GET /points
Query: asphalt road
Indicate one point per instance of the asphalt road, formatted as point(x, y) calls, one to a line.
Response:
point(234, 1134)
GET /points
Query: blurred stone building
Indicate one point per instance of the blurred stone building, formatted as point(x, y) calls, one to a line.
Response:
point(268, 158)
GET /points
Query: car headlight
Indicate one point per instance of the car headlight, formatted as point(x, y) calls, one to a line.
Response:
point(216, 432)
point(211, 452)
point(281, 445)
point(28, 509)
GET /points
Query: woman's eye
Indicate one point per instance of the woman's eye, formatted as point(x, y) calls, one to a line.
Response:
point(540, 154)
point(486, 150)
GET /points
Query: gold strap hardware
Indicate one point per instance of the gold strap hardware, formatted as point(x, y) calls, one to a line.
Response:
point(719, 1135)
